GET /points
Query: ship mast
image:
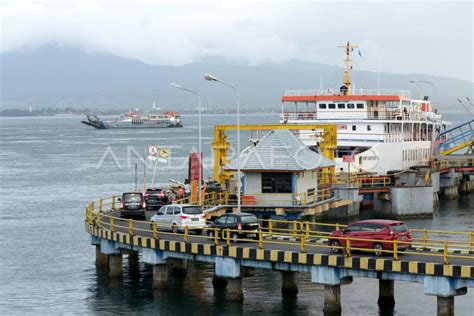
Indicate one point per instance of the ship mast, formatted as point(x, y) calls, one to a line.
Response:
point(346, 88)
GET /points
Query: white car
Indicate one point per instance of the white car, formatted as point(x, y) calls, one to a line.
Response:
point(175, 216)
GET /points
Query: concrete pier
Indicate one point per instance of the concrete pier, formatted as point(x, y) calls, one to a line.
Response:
point(101, 259)
point(451, 192)
point(115, 266)
point(445, 306)
point(289, 286)
point(178, 267)
point(219, 282)
point(133, 257)
point(234, 290)
point(247, 271)
point(331, 278)
point(230, 270)
point(386, 294)
point(332, 299)
point(160, 276)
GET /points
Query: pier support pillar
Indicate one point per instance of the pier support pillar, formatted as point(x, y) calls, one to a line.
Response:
point(229, 269)
point(332, 279)
point(178, 267)
point(247, 271)
point(289, 287)
point(160, 276)
point(332, 299)
point(133, 258)
point(101, 259)
point(219, 282)
point(234, 290)
point(386, 294)
point(445, 306)
point(115, 266)
point(445, 289)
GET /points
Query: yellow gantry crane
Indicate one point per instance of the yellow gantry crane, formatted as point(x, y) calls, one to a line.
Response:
point(326, 133)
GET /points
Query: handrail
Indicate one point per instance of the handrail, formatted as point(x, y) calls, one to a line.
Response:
point(304, 234)
point(300, 199)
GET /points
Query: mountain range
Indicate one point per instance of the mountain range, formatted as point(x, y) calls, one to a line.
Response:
point(60, 76)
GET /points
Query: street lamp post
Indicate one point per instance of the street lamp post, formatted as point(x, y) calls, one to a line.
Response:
point(213, 78)
point(424, 81)
point(177, 86)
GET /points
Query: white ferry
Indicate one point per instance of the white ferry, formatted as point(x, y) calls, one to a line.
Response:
point(135, 120)
point(380, 130)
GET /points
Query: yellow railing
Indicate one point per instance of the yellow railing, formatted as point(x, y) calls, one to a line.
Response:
point(302, 199)
point(305, 234)
point(363, 181)
point(452, 163)
point(372, 182)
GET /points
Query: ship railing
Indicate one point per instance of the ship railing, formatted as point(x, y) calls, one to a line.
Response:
point(339, 115)
point(331, 92)
point(395, 115)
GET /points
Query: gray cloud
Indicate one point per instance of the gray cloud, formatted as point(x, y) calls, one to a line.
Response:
point(405, 37)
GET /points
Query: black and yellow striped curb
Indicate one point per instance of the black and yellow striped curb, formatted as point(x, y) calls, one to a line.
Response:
point(292, 257)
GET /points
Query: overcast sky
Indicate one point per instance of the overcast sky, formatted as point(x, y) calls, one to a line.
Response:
point(432, 37)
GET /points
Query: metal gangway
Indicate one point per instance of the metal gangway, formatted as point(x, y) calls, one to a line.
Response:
point(457, 138)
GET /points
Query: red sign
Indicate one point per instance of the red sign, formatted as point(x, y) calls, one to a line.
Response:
point(348, 158)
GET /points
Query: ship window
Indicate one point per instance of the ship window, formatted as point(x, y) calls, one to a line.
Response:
point(354, 127)
point(331, 105)
point(369, 128)
point(360, 105)
point(350, 105)
point(276, 182)
point(341, 106)
point(322, 106)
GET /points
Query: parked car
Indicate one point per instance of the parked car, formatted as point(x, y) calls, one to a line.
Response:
point(379, 234)
point(246, 225)
point(133, 205)
point(176, 216)
point(155, 198)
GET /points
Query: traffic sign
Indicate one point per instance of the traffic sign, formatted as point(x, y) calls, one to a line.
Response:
point(152, 150)
point(164, 152)
point(348, 158)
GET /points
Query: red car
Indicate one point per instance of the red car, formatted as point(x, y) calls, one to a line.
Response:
point(379, 232)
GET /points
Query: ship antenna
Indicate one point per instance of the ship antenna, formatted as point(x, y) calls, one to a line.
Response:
point(346, 88)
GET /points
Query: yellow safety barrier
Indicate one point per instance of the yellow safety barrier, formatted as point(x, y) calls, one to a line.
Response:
point(97, 214)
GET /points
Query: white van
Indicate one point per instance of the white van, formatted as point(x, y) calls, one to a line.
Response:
point(176, 216)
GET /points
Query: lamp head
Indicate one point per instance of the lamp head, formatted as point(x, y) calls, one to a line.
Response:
point(175, 85)
point(412, 81)
point(209, 77)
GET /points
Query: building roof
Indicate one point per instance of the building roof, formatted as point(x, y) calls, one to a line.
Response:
point(280, 150)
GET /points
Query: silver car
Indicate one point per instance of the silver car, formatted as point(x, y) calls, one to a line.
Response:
point(175, 216)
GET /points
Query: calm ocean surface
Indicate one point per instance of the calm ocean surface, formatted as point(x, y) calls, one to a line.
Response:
point(51, 167)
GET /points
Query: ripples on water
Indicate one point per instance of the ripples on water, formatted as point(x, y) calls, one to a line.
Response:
point(48, 169)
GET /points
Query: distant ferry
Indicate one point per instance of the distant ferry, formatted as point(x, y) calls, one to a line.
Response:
point(382, 130)
point(135, 120)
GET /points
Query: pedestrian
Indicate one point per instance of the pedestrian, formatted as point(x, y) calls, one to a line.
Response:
point(180, 193)
point(187, 188)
